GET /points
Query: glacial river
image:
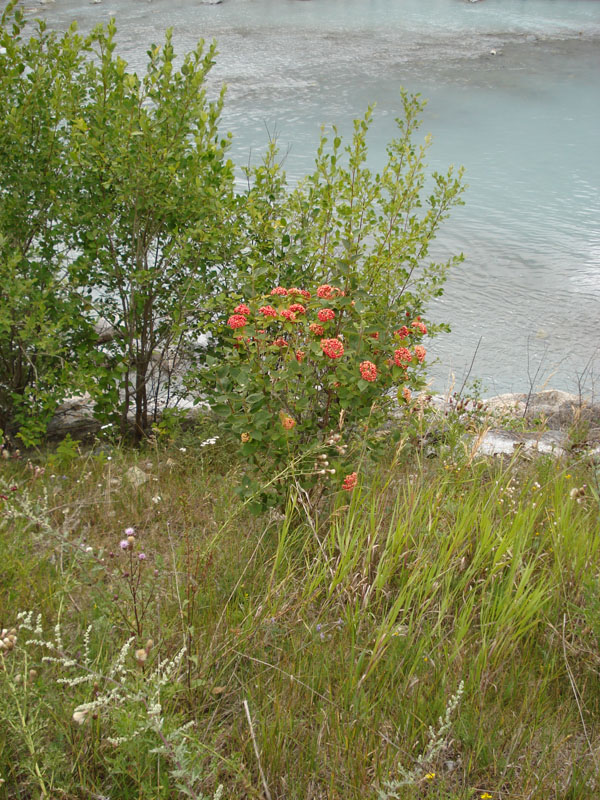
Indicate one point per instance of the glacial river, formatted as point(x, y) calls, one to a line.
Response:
point(514, 96)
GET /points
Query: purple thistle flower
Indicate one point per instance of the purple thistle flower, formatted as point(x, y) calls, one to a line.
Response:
point(124, 544)
point(142, 556)
point(129, 531)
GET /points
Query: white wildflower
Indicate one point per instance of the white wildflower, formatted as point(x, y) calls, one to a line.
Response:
point(79, 717)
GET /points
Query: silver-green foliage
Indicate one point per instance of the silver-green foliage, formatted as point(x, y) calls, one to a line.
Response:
point(125, 701)
point(346, 222)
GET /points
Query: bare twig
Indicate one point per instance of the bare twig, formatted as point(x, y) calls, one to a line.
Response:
point(468, 375)
point(532, 381)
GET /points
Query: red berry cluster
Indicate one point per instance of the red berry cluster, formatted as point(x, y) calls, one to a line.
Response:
point(332, 347)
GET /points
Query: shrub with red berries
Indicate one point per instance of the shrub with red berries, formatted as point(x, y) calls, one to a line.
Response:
point(303, 373)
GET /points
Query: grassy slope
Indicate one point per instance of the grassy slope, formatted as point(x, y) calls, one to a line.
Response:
point(346, 630)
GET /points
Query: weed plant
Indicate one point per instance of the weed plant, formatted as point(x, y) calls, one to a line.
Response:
point(433, 634)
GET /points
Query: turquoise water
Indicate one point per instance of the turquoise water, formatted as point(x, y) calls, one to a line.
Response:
point(525, 123)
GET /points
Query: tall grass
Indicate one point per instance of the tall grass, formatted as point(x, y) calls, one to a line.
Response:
point(320, 647)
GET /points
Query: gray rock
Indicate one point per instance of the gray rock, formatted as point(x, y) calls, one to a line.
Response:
point(502, 442)
point(74, 416)
point(555, 408)
point(137, 477)
point(104, 331)
point(549, 422)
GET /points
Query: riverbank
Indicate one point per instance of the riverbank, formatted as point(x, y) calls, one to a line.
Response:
point(509, 419)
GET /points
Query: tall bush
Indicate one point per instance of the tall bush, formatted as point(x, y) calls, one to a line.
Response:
point(345, 220)
point(113, 189)
point(151, 187)
point(43, 333)
point(296, 374)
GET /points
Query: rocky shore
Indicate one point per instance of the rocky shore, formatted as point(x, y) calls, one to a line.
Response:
point(548, 422)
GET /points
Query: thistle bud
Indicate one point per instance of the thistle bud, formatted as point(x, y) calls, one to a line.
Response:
point(141, 655)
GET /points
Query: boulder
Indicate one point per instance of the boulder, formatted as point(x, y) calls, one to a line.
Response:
point(74, 416)
point(555, 408)
point(549, 422)
point(503, 442)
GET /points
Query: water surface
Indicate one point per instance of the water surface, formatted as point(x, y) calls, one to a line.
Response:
point(524, 120)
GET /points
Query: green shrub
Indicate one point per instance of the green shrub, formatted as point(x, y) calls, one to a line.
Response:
point(368, 234)
point(44, 335)
point(151, 187)
point(344, 221)
point(113, 189)
point(117, 203)
point(307, 376)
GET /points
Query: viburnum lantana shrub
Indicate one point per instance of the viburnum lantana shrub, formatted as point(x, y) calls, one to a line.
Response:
point(302, 377)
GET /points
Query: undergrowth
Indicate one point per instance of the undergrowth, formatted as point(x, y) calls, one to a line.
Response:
point(434, 634)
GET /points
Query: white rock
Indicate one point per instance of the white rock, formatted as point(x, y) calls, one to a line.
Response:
point(498, 442)
point(137, 477)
